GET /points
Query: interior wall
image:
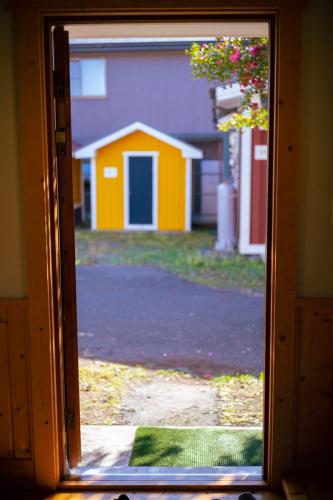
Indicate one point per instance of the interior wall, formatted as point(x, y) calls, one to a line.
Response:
point(313, 437)
point(315, 262)
point(12, 271)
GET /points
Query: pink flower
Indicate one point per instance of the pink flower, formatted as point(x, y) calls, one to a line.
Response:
point(218, 62)
point(258, 83)
point(253, 50)
point(251, 65)
point(235, 56)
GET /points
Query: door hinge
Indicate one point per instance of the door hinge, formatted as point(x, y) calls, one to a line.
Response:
point(60, 139)
point(60, 108)
point(59, 84)
point(70, 418)
point(60, 142)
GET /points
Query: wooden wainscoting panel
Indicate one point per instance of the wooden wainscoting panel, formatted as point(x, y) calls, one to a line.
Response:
point(16, 475)
point(18, 355)
point(314, 381)
point(15, 435)
point(6, 431)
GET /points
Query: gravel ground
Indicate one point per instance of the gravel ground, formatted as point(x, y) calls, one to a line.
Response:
point(168, 402)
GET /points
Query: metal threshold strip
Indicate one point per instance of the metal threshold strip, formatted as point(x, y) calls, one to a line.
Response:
point(166, 476)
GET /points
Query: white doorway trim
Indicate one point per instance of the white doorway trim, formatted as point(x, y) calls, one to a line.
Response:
point(93, 193)
point(188, 194)
point(141, 227)
point(245, 247)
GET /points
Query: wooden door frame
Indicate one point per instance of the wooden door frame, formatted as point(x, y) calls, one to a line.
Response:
point(60, 106)
point(36, 146)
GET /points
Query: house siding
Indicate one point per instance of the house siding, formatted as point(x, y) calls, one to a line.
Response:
point(156, 88)
point(259, 170)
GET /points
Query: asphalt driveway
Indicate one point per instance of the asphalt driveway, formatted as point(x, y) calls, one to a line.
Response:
point(144, 315)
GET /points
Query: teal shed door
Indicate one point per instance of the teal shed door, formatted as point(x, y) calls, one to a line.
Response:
point(140, 172)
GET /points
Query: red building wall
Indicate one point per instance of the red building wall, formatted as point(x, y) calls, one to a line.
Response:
point(258, 188)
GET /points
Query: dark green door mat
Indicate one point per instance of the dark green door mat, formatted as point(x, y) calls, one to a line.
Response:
point(199, 447)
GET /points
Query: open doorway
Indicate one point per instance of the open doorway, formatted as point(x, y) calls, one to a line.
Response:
point(210, 334)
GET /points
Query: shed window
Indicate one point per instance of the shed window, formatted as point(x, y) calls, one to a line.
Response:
point(88, 77)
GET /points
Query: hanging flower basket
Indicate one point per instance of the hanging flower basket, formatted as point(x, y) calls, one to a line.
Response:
point(237, 60)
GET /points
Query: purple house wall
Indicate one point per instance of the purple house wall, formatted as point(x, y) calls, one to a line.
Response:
point(154, 85)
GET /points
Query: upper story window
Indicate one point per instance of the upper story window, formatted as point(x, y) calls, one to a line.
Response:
point(88, 77)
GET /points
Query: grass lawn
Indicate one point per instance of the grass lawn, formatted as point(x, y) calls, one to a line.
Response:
point(101, 388)
point(189, 255)
point(241, 399)
point(200, 447)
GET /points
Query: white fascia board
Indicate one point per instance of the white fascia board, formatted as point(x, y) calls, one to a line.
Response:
point(225, 95)
point(191, 156)
point(90, 150)
point(169, 30)
point(120, 41)
point(84, 153)
point(192, 153)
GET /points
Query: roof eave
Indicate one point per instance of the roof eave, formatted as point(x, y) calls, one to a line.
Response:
point(90, 150)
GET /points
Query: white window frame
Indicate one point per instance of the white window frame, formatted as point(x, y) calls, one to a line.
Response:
point(141, 227)
point(90, 96)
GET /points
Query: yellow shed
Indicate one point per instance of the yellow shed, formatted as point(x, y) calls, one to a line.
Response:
point(141, 179)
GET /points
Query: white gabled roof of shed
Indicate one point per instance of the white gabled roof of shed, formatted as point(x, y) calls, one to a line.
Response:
point(90, 150)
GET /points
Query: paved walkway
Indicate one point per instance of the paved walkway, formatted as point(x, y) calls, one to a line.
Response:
point(106, 445)
point(170, 402)
point(143, 315)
